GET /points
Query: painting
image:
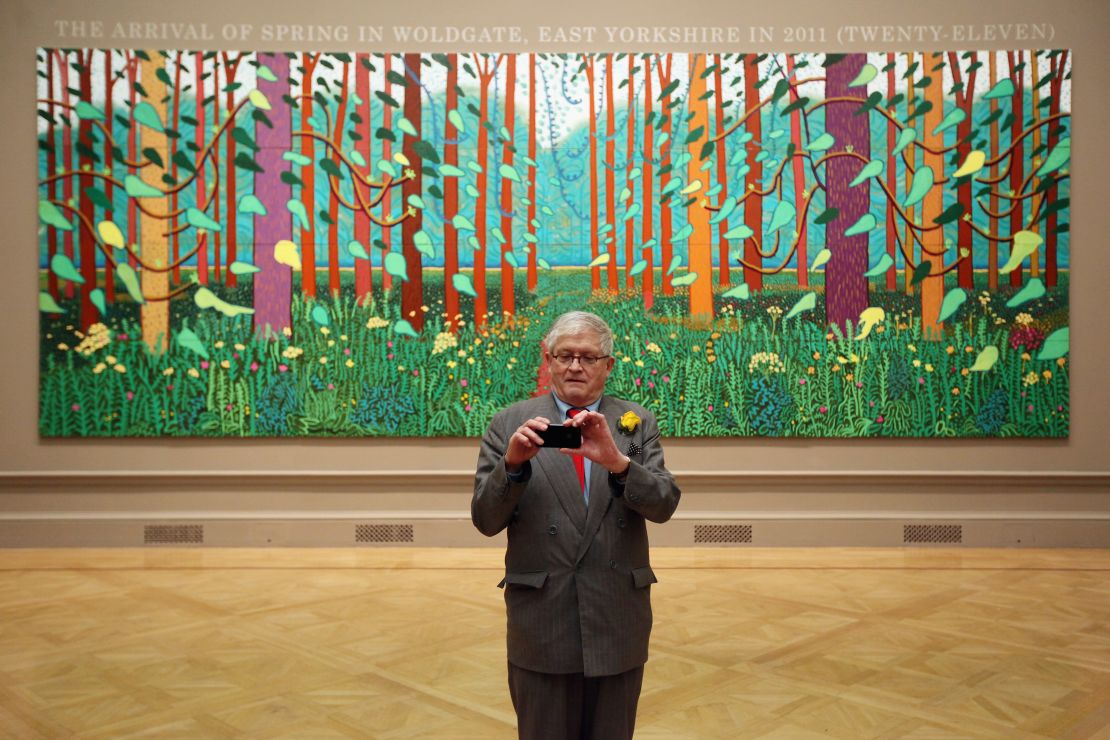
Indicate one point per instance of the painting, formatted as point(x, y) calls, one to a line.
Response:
point(318, 244)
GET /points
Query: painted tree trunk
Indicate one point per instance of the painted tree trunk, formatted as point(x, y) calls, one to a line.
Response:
point(533, 253)
point(412, 292)
point(364, 274)
point(155, 312)
point(666, 217)
point(845, 285)
point(333, 201)
point(610, 177)
point(308, 178)
point(508, 299)
point(202, 253)
point(453, 318)
point(273, 283)
point(753, 207)
point(86, 239)
point(630, 224)
point(798, 166)
point(722, 168)
point(647, 276)
point(1017, 170)
point(701, 240)
point(932, 241)
point(595, 221)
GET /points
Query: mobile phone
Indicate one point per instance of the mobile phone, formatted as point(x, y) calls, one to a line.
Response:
point(557, 435)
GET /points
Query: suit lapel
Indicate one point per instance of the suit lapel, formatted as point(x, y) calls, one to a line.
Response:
point(600, 496)
point(559, 469)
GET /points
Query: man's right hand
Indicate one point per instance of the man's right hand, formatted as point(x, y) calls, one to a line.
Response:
point(525, 443)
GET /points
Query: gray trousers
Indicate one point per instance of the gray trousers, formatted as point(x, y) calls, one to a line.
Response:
point(570, 706)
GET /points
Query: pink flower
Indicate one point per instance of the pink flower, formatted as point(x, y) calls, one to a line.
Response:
point(879, 419)
point(468, 407)
point(801, 381)
point(169, 387)
point(389, 343)
point(235, 355)
point(75, 407)
point(637, 382)
point(824, 409)
point(130, 395)
point(709, 408)
point(871, 404)
point(204, 364)
point(859, 385)
point(283, 368)
point(463, 382)
point(1059, 408)
point(650, 384)
point(1029, 407)
point(347, 351)
point(416, 373)
point(653, 371)
point(389, 356)
point(666, 378)
point(229, 407)
point(921, 381)
point(331, 386)
point(254, 366)
point(122, 337)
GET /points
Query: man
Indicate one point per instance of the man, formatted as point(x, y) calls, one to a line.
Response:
point(577, 577)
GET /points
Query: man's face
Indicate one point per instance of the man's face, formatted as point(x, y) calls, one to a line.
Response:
point(577, 383)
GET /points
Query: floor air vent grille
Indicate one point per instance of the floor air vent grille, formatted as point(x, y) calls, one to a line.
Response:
point(722, 534)
point(173, 534)
point(932, 534)
point(380, 533)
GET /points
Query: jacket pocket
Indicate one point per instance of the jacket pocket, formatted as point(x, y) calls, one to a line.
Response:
point(642, 577)
point(535, 579)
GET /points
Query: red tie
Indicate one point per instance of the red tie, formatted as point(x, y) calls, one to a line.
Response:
point(579, 463)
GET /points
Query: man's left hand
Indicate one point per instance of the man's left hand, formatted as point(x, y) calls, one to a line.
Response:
point(598, 444)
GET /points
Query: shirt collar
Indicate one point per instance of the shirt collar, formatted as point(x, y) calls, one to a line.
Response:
point(564, 406)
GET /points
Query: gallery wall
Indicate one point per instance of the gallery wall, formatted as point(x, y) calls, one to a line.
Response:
point(1004, 491)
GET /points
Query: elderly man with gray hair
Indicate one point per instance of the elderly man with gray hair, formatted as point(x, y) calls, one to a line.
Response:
point(577, 575)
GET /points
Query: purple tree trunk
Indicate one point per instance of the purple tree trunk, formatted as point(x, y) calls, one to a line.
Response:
point(273, 283)
point(845, 285)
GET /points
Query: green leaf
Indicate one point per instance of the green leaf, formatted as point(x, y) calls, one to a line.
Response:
point(921, 272)
point(450, 170)
point(871, 169)
point(456, 121)
point(637, 268)
point(739, 232)
point(297, 209)
point(688, 279)
point(243, 268)
point(634, 210)
point(416, 201)
point(508, 172)
point(462, 284)
point(87, 112)
point(952, 119)
point(51, 215)
point(250, 203)
point(356, 250)
point(404, 328)
point(683, 233)
point(47, 304)
point(295, 158)
point(1025, 243)
point(951, 303)
point(406, 127)
point(905, 137)
point(423, 244)
point(205, 298)
point(259, 100)
point(200, 220)
point(866, 74)
point(147, 115)
point(741, 292)
point(1057, 158)
point(136, 188)
point(130, 279)
point(395, 266)
point(726, 208)
point(1056, 345)
point(784, 214)
point(865, 224)
point(1004, 89)
point(320, 316)
point(188, 339)
point(822, 257)
point(985, 360)
point(462, 223)
point(821, 143)
point(1032, 290)
point(264, 73)
point(885, 263)
point(806, 303)
point(951, 213)
point(63, 267)
point(920, 186)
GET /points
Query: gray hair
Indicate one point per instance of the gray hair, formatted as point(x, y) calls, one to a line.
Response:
point(574, 323)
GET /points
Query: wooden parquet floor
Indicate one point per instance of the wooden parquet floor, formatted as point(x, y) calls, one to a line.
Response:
point(409, 643)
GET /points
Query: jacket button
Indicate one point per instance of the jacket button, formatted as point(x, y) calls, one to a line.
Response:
point(613, 564)
point(552, 529)
point(620, 523)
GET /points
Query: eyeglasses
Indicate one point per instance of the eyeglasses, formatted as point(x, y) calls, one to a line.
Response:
point(565, 360)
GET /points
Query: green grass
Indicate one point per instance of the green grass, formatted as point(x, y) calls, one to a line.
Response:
point(351, 380)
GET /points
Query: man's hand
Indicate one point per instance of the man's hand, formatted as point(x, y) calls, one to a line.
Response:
point(598, 443)
point(525, 443)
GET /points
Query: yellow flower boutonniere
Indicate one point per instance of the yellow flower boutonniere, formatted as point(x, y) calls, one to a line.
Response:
point(628, 423)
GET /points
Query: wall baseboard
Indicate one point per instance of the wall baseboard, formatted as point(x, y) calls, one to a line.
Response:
point(429, 509)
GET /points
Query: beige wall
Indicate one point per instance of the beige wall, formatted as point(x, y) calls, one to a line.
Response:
point(53, 478)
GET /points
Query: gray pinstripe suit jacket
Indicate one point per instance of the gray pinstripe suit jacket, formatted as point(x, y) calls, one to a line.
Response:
point(577, 581)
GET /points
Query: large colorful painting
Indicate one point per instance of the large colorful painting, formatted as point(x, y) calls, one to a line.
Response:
point(362, 244)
